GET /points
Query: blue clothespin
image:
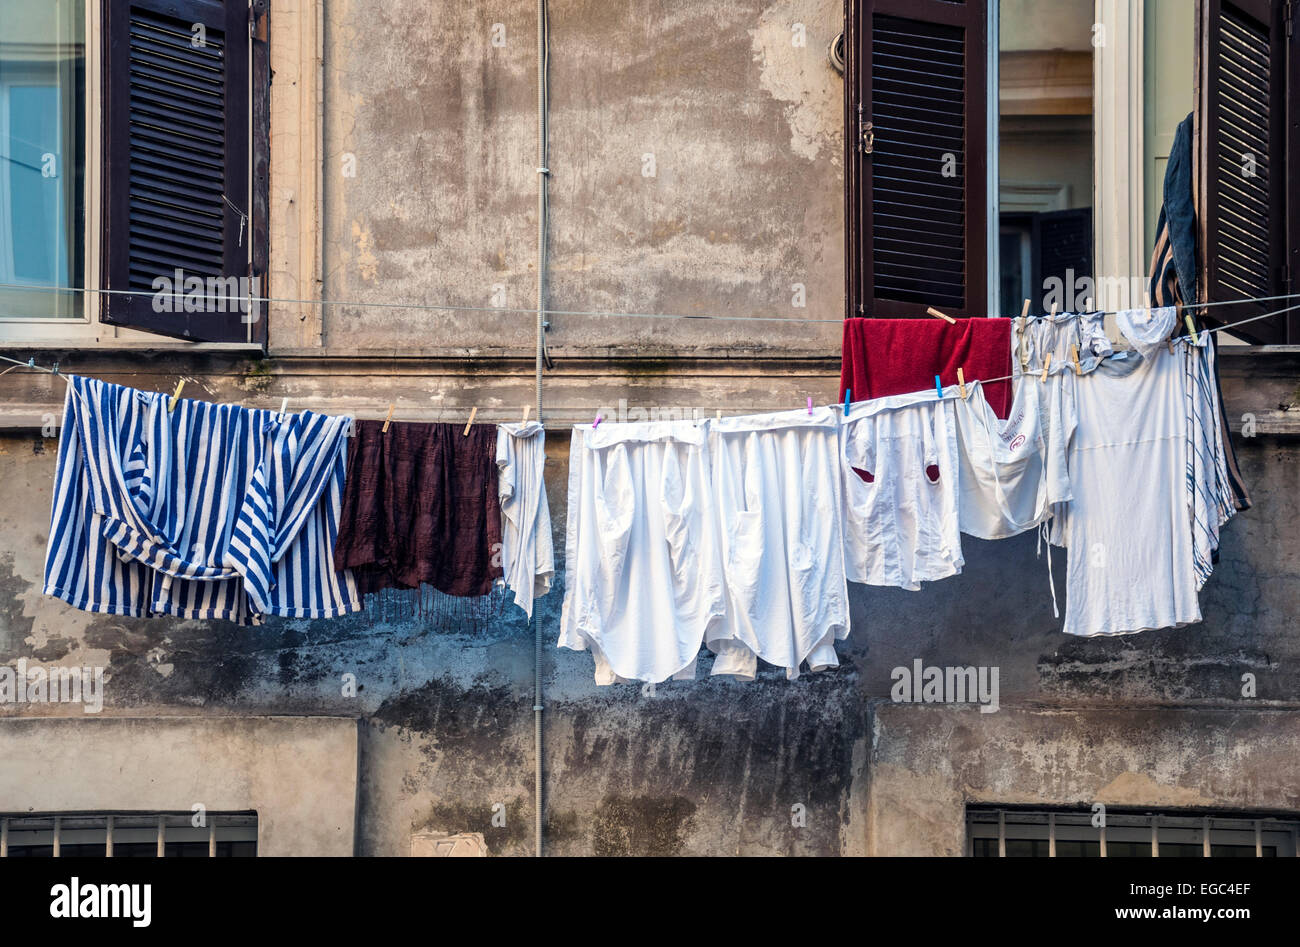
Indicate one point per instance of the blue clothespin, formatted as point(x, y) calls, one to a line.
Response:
point(848, 393)
point(938, 387)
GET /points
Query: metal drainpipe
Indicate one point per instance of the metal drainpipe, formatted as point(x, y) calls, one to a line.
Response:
point(542, 172)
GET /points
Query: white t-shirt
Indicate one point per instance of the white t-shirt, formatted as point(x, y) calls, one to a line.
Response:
point(1013, 470)
point(643, 570)
point(900, 468)
point(1131, 564)
point(777, 488)
point(527, 556)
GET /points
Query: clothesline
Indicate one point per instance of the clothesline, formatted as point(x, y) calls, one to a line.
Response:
point(429, 307)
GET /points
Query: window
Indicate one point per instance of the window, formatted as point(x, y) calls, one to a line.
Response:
point(129, 835)
point(993, 832)
point(159, 204)
point(42, 143)
point(1083, 111)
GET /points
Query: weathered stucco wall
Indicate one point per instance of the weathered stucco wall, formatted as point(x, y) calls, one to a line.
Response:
point(695, 170)
point(714, 767)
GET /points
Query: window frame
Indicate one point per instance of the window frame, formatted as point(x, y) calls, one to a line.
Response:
point(88, 331)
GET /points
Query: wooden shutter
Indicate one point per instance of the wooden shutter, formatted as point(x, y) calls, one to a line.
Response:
point(1246, 153)
point(177, 119)
point(916, 157)
point(1062, 243)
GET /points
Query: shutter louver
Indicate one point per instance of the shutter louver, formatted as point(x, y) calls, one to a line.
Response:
point(177, 168)
point(916, 213)
point(1242, 161)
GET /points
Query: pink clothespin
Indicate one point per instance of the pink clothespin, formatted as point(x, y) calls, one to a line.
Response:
point(596, 423)
point(810, 404)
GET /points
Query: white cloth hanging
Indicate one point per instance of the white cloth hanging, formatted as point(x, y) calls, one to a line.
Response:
point(776, 483)
point(900, 470)
point(643, 573)
point(527, 554)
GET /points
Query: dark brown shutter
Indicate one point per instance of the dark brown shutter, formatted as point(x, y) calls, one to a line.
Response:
point(1247, 182)
point(915, 106)
point(176, 169)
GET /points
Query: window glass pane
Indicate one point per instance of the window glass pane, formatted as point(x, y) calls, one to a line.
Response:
point(1045, 150)
point(42, 157)
point(1072, 849)
point(1185, 850)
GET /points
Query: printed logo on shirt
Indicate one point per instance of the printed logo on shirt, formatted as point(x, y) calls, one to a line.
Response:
point(946, 685)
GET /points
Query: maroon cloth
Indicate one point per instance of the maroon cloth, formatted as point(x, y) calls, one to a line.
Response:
point(897, 356)
point(420, 505)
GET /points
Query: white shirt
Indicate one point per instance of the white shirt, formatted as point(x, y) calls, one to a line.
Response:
point(527, 556)
point(902, 528)
point(776, 483)
point(1012, 470)
point(643, 570)
point(1131, 564)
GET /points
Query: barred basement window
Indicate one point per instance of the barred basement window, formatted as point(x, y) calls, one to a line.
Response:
point(993, 832)
point(128, 835)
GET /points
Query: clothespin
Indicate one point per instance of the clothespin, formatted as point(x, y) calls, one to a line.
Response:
point(1053, 310)
point(473, 413)
point(848, 394)
point(719, 414)
point(1191, 327)
point(810, 404)
point(940, 315)
point(1024, 322)
point(527, 408)
point(961, 383)
point(284, 406)
point(938, 387)
point(1047, 363)
point(1024, 315)
point(596, 423)
point(388, 420)
point(1074, 357)
point(175, 394)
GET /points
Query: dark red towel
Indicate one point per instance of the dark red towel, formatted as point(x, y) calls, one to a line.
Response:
point(420, 505)
point(896, 356)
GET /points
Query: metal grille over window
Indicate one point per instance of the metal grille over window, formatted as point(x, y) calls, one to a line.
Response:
point(129, 835)
point(1072, 833)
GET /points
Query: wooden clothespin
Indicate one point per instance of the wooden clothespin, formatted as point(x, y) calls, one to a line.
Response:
point(1191, 327)
point(719, 414)
point(941, 315)
point(1074, 357)
point(473, 413)
point(961, 383)
point(1024, 323)
point(171, 403)
point(1047, 363)
point(388, 420)
point(527, 408)
point(1024, 314)
point(1053, 310)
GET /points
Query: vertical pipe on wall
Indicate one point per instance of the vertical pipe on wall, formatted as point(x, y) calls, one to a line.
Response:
point(542, 173)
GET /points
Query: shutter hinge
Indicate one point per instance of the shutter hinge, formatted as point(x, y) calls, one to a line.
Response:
point(866, 137)
point(1288, 11)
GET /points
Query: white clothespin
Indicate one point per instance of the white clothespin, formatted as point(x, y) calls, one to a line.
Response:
point(473, 413)
point(527, 408)
point(284, 406)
